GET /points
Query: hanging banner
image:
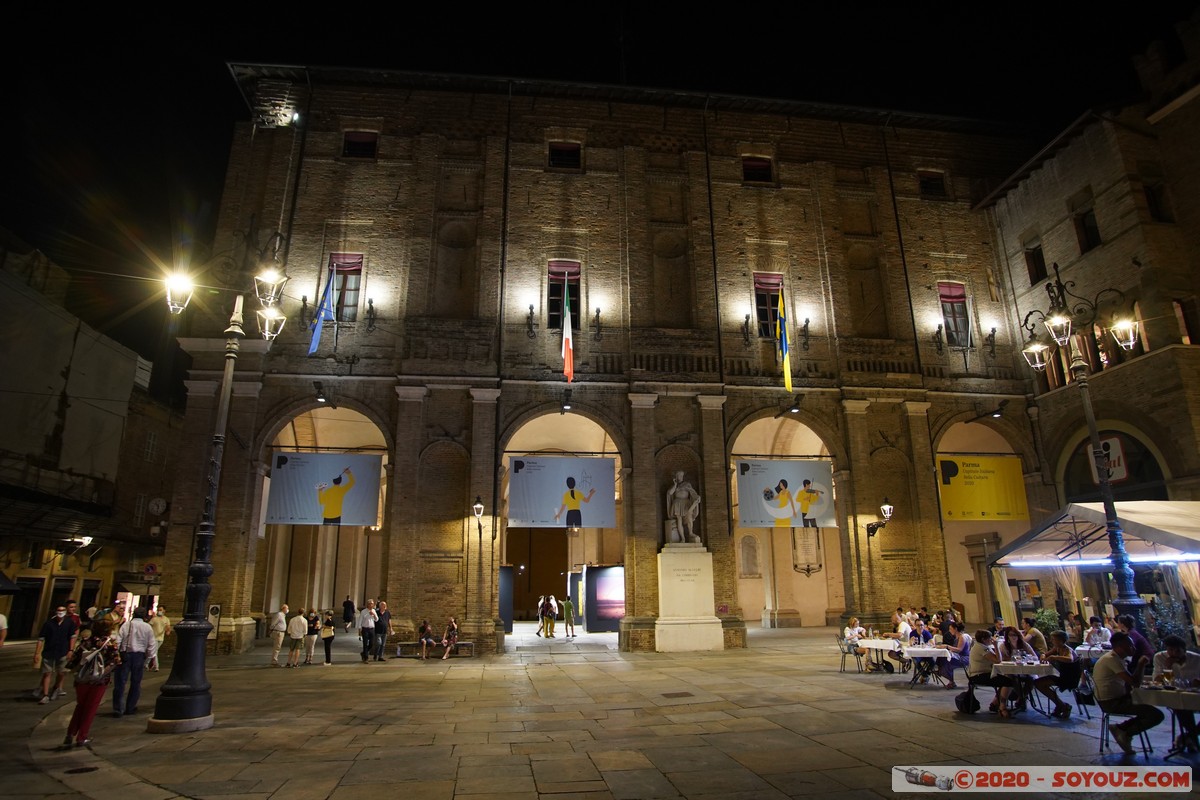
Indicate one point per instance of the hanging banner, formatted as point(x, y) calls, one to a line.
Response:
point(981, 488)
point(324, 489)
point(561, 492)
point(785, 494)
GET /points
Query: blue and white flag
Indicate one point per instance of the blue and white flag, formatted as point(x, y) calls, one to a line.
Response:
point(324, 312)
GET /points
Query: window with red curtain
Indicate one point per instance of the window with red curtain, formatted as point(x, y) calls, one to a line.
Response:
point(346, 273)
point(767, 286)
point(562, 275)
point(956, 321)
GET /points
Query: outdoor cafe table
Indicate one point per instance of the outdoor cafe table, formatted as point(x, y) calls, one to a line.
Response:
point(1025, 673)
point(878, 647)
point(1090, 651)
point(1174, 699)
point(926, 669)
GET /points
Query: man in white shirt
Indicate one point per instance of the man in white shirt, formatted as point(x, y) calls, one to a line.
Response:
point(137, 645)
point(278, 628)
point(366, 628)
point(1097, 635)
point(1185, 666)
point(1114, 687)
point(297, 629)
point(901, 630)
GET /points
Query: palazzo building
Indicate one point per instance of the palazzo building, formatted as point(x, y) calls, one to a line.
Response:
point(461, 219)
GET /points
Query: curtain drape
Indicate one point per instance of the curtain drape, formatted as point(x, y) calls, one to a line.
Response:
point(1008, 609)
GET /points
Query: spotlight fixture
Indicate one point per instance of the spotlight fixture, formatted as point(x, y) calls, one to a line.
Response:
point(886, 510)
point(794, 408)
point(321, 398)
point(566, 401)
point(995, 413)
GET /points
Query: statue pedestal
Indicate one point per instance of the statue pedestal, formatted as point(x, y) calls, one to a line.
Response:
point(685, 601)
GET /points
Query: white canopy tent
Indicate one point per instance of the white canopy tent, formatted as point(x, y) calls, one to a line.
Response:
point(1156, 531)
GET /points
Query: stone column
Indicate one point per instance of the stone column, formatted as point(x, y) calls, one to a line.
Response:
point(931, 543)
point(483, 613)
point(641, 531)
point(716, 512)
point(856, 547)
point(401, 539)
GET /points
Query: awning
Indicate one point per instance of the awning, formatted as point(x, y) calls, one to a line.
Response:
point(1156, 531)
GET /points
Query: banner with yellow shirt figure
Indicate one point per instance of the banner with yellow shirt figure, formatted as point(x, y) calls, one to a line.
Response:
point(324, 489)
point(984, 488)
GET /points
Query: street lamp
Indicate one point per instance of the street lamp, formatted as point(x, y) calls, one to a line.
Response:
point(185, 701)
point(885, 510)
point(1068, 309)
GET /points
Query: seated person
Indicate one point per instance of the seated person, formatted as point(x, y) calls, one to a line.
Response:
point(1141, 646)
point(1074, 630)
point(900, 630)
point(1097, 635)
point(920, 636)
point(1114, 692)
point(425, 639)
point(979, 671)
point(1183, 665)
point(1062, 657)
point(852, 633)
point(1012, 646)
point(1033, 637)
point(959, 645)
point(998, 627)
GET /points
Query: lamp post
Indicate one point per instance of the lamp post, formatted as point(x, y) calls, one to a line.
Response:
point(185, 700)
point(885, 510)
point(1067, 309)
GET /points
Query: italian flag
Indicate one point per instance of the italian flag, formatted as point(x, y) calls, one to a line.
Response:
point(568, 350)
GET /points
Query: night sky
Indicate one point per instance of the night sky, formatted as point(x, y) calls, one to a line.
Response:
point(115, 143)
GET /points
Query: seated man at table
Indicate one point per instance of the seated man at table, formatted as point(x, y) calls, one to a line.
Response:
point(1062, 657)
point(920, 636)
point(1141, 645)
point(900, 630)
point(852, 633)
point(1033, 637)
point(1183, 665)
point(1114, 692)
point(979, 671)
point(1097, 634)
point(959, 645)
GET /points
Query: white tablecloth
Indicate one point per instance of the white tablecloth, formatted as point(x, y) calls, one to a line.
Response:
point(1009, 668)
point(1089, 651)
point(879, 644)
point(926, 652)
point(1168, 698)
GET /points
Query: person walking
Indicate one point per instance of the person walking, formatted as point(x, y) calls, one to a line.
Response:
point(366, 629)
point(450, 637)
point(161, 624)
point(297, 629)
point(137, 645)
point(310, 637)
point(94, 659)
point(540, 615)
point(551, 617)
point(348, 611)
point(383, 629)
point(55, 642)
point(278, 629)
point(568, 609)
point(327, 633)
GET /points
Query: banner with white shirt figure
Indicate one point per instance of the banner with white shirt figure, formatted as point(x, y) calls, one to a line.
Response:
point(561, 492)
point(785, 494)
point(324, 489)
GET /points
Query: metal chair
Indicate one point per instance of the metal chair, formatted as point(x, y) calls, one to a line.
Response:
point(1104, 722)
point(848, 650)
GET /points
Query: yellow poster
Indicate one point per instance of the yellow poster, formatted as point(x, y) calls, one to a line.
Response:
point(982, 488)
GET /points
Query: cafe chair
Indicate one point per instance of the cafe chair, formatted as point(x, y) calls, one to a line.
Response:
point(849, 650)
point(1106, 719)
point(1072, 674)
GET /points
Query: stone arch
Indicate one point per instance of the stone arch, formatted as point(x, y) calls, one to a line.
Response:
point(828, 435)
point(1079, 438)
point(590, 411)
point(1014, 436)
point(278, 417)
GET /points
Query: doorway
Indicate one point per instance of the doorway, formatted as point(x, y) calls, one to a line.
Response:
point(540, 566)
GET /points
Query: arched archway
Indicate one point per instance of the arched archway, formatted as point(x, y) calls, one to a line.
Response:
point(318, 565)
point(553, 560)
point(797, 579)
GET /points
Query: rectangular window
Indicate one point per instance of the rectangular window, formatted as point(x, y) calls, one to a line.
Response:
point(1083, 214)
point(1185, 317)
point(139, 510)
point(346, 273)
point(956, 318)
point(151, 452)
point(757, 169)
point(359, 144)
point(932, 184)
point(1157, 201)
point(565, 155)
point(562, 275)
point(1035, 261)
point(767, 288)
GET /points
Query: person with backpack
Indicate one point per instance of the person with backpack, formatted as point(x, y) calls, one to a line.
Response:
point(93, 659)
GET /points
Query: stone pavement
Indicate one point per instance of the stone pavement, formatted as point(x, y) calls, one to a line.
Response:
point(555, 719)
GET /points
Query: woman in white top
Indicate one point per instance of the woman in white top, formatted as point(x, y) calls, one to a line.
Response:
point(979, 671)
point(853, 632)
point(1013, 645)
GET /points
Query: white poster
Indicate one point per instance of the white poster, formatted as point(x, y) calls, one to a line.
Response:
point(561, 492)
point(324, 489)
point(785, 494)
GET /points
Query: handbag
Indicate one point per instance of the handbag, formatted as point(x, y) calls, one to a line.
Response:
point(327, 632)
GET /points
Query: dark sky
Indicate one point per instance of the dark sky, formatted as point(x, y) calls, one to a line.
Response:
point(117, 130)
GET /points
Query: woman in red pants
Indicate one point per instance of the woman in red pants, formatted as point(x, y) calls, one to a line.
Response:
point(93, 661)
